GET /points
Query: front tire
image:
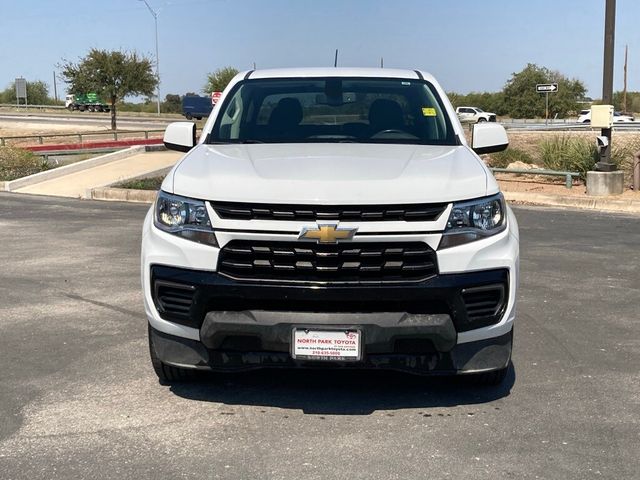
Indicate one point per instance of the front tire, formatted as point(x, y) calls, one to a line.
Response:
point(481, 119)
point(168, 374)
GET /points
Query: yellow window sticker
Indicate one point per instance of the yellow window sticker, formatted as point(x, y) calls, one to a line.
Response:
point(428, 112)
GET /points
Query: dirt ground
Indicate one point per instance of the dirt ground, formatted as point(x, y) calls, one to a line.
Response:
point(13, 128)
point(17, 129)
point(524, 183)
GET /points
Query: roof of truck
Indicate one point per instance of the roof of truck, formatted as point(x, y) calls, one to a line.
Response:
point(337, 72)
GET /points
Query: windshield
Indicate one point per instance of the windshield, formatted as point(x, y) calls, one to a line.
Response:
point(367, 110)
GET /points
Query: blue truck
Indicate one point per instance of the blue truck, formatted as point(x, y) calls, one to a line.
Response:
point(194, 106)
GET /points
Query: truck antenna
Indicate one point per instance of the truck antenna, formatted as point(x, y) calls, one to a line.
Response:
point(335, 61)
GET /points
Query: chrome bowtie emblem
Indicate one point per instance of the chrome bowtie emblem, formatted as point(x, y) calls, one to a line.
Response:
point(327, 233)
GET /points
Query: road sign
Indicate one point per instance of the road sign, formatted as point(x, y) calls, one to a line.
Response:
point(215, 96)
point(21, 88)
point(547, 87)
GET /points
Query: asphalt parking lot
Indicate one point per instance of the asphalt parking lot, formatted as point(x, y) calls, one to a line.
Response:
point(78, 397)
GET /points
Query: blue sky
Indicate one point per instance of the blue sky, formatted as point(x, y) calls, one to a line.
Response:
point(469, 45)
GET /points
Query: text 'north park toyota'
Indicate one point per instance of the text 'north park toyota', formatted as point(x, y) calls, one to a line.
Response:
point(331, 218)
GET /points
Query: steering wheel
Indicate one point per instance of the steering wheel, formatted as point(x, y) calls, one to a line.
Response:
point(382, 133)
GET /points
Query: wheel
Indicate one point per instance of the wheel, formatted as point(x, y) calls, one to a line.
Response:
point(70, 107)
point(91, 108)
point(198, 118)
point(188, 116)
point(166, 373)
point(481, 119)
point(81, 108)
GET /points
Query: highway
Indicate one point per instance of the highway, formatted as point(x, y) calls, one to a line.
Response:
point(85, 118)
point(148, 122)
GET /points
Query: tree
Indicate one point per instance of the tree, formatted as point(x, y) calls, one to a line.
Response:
point(172, 104)
point(37, 93)
point(633, 101)
point(218, 80)
point(113, 75)
point(522, 101)
point(488, 101)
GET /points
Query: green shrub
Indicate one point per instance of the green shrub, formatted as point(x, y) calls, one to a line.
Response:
point(18, 163)
point(510, 155)
point(152, 183)
point(572, 154)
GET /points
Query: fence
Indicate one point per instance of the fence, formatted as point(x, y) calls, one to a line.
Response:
point(81, 137)
point(534, 171)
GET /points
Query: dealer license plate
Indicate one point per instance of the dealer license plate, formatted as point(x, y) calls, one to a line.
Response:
point(336, 345)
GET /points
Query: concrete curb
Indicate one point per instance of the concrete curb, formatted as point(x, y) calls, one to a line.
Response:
point(123, 195)
point(89, 194)
point(587, 203)
point(73, 168)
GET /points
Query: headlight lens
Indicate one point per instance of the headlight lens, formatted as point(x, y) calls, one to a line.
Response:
point(473, 220)
point(185, 217)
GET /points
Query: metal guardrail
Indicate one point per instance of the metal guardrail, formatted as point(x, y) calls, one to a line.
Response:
point(80, 136)
point(83, 151)
point(535, 171)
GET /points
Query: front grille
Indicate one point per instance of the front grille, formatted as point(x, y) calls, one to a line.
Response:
point(483, 303)
point(342, 262)
point(356, 213)
point(173, 300)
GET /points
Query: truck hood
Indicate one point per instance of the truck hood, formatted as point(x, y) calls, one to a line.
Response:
point(330, 174)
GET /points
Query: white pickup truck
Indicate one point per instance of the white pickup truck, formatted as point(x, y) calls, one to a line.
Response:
point(474, 115)
point(336, 218)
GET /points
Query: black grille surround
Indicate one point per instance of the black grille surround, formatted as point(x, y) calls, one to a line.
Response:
point(357, 213)
point(309, 262)
point(460, 295)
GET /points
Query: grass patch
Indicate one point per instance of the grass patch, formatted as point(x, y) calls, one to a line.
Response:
point(151, 183)
point(17, 163)
point(510, 155)
point(572, 154)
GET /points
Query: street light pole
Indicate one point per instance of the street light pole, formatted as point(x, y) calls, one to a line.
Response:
point(155, 18)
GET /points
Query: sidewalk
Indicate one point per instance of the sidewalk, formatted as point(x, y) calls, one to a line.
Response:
point(76, 184)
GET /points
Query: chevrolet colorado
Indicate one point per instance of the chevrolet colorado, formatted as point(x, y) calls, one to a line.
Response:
point(332, 217)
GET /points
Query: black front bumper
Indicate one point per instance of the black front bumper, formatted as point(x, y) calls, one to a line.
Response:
point(473, 357)
point(408, 326)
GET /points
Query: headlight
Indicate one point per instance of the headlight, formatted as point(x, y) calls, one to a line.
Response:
point(473, 220)
point(185, 217)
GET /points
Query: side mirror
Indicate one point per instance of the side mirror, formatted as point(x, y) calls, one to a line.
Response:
point(489, 137)
point(180, 136)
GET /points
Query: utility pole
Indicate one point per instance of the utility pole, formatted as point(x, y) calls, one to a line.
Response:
point(381, 62)
point(624, 91)
point(335, 61)
point(155, 18)
point(55, 87)
point(605, 164)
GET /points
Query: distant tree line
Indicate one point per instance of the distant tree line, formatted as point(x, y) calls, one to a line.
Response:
point(518, 98)
point(37, 94)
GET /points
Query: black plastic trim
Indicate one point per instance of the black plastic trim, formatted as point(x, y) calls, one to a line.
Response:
point(439, 294)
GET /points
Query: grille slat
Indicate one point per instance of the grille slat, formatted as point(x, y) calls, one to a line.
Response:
point(358, 213)
point(348, 262)
point(483, 302)
point(173, 299)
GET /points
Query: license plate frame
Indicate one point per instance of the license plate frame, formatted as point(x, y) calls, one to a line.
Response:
point(312, 349)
